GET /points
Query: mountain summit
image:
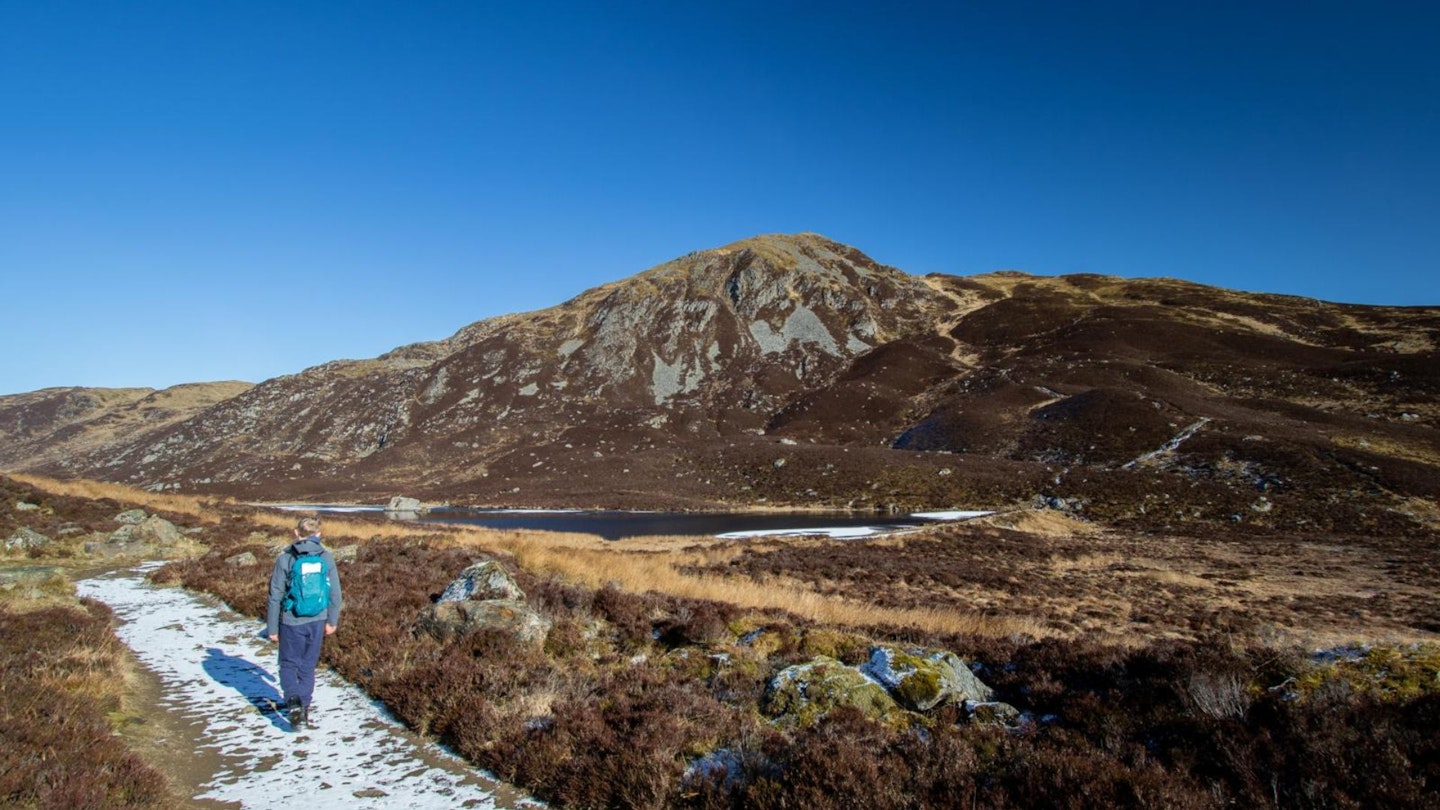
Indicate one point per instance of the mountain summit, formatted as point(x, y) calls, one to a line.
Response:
point(795, 369)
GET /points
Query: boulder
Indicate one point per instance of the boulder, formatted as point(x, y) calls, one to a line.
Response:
point(449, 619)
point(807, 692)
point(131, 517)
point(22, 506)
point(921, 681)
point(994, 713)
point(400, 503)
point(26, 538)
point(157, 531)
point(345, 553)
point(103, 547)
point(122, 535)
point(486, 579)
point(243, 558)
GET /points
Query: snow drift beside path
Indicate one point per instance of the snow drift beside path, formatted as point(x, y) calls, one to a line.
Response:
point(217, 670)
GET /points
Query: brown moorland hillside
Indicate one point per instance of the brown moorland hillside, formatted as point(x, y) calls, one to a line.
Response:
point(797, 370)
point(1147, 671)
point(54, 425)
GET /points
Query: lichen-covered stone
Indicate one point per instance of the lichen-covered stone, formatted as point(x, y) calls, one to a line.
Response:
point(131, 517)
point(921, 681)
point(449, 619)
point(348, 553)
point(26, 538)
point(994, 713)
point(157, 531)
point(244, 558)
point(486, 579)
point(807, 692)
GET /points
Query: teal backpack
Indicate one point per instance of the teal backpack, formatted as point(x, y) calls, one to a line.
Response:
point(309, 592)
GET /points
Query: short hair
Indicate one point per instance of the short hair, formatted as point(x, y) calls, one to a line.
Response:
point(308, 526)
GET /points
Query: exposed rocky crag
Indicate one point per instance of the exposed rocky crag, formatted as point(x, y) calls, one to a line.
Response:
point(793, 369)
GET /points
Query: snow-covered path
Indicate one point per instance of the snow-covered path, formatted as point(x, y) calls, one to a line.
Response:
point(219, 673)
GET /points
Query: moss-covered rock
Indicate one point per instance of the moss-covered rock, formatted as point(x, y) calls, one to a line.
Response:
point(994, 713)
point(921, 681)
point(1385, 672)
point(26, 538)
point(804, 693)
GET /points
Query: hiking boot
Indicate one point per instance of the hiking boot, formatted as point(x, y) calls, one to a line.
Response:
point(309, 720)
point(295, 713)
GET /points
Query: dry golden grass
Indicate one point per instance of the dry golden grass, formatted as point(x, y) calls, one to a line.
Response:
point(1408, 452)
point(639, 564)
point(1049, 590)
point(198, 507)
point(48, 588)
point(588, 560)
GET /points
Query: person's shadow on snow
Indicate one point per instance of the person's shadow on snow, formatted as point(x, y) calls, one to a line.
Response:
point(251, 680)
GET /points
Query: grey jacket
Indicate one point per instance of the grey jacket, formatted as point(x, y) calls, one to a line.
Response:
point(280, 584)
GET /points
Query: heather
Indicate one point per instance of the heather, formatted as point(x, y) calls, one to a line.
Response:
point(60, 672)
point(1145, 670)
point(647, 700)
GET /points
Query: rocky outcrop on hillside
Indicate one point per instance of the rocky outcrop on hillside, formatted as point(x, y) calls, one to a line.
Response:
point(794, 369)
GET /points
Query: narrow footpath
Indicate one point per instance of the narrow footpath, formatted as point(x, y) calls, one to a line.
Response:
point(219, 680)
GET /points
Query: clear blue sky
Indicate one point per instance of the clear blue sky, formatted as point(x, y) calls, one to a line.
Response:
point(202, 190)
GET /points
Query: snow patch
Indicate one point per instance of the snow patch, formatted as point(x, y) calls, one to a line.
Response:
point(954, 515)
point(218, 672)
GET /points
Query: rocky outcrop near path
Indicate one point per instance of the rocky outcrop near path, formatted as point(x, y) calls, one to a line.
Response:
point(895, 686)
point(484, 597)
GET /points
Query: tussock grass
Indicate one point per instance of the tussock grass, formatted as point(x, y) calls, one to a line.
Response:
point(199, 507)
point(593, 562)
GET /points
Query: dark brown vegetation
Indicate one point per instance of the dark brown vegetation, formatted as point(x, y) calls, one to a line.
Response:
point(1173, 678)
point(630, 689)
point(60, 669)
point(1117, 586)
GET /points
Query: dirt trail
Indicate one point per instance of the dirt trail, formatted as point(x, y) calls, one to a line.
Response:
point(218, 692)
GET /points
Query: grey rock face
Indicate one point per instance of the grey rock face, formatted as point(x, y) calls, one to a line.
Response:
point(157, 531)
point(244, 558)
point(131, 517)
point(484, 596)
point(401, 503)
point(995, 713)
point(444, 621)
point(483, 580)
point(25, 538)
point(921, 681)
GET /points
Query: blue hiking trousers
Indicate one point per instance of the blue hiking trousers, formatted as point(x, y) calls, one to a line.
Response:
point(299, 653)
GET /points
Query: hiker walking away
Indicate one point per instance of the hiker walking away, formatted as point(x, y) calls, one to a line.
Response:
point(304, 608)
